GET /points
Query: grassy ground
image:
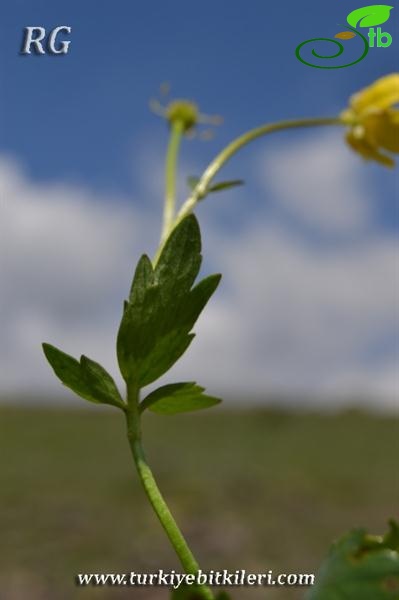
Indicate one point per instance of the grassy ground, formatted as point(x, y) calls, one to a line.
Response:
point(256, 490)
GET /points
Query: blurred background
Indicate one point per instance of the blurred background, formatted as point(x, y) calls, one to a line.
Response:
point(301, 338)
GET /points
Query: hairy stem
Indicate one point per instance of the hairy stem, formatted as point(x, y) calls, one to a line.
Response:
point(176, 133)
point(161, 509)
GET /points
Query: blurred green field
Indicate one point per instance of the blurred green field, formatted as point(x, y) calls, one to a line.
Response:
point(257, 490)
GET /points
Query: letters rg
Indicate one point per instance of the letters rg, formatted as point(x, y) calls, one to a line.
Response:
point(34, 36)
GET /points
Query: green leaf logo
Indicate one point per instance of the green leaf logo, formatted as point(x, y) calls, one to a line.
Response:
point(369, 16)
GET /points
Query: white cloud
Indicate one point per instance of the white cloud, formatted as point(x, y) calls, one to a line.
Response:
point(290, 316)
point(66, 263)
point(318, 183)
point(303, 322)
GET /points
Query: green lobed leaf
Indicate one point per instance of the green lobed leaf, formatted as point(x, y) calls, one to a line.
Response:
point(163, 307)
point(369, 16)
point(360, 567)
point(86, 378)
point(177, 398)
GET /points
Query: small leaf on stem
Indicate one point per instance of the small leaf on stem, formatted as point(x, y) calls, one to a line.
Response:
point(177, 398)
point(192, 183)
point(86, 378)
point(225, 185)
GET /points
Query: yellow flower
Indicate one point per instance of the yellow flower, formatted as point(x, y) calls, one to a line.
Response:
point(373, 121)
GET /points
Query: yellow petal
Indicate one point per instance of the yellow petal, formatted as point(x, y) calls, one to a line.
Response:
point(368, 152)
point(380, 95)
point(383, 130)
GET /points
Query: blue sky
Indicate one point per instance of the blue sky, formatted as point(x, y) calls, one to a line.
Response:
point(78, 126)
point(62, 115)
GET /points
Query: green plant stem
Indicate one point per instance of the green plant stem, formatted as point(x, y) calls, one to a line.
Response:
point(221, 159)
point(176, 133)
point(236, 145)
point(176, 538)
point(169, 222)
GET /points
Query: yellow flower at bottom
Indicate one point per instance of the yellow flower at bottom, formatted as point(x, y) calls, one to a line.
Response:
point(373, 121)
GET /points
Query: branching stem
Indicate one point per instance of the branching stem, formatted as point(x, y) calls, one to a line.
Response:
point(170, 221)
point(224, 156)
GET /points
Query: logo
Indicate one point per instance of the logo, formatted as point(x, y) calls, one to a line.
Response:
point(369, 19)
point(35, 37)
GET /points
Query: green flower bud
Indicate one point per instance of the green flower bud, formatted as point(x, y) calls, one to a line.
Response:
point(184, 111)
